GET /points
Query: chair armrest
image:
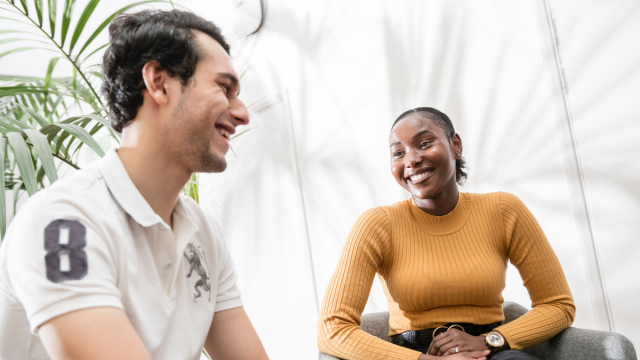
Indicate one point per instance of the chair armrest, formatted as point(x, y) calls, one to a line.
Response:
point(576, 343)
point(376, 324)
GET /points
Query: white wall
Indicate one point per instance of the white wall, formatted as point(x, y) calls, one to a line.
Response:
point(350, 68)
point(601, 56)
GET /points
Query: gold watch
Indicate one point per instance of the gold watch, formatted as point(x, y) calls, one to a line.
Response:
point(494, 341)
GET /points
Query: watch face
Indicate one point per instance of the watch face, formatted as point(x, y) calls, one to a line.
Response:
point(495, 339)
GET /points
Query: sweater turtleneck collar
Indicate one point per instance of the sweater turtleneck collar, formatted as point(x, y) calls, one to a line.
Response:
point(441, 225)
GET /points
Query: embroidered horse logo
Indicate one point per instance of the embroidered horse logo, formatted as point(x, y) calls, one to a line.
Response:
point(195, 256)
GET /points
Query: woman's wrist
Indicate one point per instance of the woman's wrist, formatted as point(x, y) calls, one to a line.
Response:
point(482, 344)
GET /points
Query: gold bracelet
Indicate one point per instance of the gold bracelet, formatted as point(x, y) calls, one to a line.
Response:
point(436, 329)
point(460, 326)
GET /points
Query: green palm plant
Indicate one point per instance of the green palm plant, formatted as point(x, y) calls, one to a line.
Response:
point(41, 129)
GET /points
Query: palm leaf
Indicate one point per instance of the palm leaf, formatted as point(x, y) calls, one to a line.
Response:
point(86, 14)
point(21, 49)
point(38, 4)
point(25, 7)
point(12, 19)
point(107, 21)
point(25, 161)
point(4, 41)
point(104, 122)
point(7, 125)
point(39, 119)
point(53, 7)
point(3, 202)
point(16, 192)
point(93, 52)
point(83, 135)
point(66, 20)
point(47, 81)
point(16, 31)
point(17, 124)
point(43, 150)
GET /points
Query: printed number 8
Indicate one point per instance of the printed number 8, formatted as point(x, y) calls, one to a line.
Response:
point(65, 259)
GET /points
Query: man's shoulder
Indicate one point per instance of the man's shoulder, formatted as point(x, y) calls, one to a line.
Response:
point(82, 189)
point(78, 197)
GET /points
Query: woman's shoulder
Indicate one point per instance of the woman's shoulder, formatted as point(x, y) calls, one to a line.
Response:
point(384, 213)
point(505, 203)
point(400, 208)
point(495, 197)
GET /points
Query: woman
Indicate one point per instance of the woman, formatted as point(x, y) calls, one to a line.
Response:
point(442, 259)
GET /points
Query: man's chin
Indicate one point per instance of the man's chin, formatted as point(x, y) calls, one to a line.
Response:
point(213, 163)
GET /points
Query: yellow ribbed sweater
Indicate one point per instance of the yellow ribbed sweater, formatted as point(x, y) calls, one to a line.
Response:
point(443, 269)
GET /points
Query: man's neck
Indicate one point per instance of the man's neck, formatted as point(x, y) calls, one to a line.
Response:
point(157, 178)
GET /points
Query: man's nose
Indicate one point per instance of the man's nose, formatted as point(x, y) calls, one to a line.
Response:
point(239, 112)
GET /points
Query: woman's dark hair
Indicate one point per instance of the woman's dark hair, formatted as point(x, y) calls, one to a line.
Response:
point(136, 39)
point(442, 121)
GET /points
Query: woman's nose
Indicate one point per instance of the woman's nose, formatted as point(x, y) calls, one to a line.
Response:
point(413, 159)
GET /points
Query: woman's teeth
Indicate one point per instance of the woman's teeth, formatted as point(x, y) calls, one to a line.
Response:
point(420, 176)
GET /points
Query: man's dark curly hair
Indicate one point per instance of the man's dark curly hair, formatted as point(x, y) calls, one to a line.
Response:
point(136, 39)
point(442, 121)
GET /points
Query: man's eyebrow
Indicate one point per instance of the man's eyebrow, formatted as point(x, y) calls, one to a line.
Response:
point(234, 80)
point(422, 133)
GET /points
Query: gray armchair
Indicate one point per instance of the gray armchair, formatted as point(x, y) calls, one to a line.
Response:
point(570, 344)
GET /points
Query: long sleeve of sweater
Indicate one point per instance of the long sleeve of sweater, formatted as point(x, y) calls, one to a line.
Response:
point(553, 309)
point(339, 332)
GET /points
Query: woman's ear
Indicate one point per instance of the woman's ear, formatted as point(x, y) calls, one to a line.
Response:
point(456, 143)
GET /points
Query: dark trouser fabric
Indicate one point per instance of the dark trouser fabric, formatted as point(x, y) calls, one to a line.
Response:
point(501, 355)
point(512, 355)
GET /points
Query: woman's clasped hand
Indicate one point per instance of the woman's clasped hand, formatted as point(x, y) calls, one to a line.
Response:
point(476, 355)
point(455, 341)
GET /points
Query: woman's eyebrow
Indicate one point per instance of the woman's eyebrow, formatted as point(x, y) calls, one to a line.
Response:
point(422, 133)
point(396, 143)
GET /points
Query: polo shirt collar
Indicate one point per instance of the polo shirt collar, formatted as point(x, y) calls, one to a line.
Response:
point(125, 192)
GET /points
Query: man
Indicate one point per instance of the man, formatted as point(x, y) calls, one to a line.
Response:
point(113, 263)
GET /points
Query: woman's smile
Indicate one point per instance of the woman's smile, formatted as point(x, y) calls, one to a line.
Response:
point(419, 176)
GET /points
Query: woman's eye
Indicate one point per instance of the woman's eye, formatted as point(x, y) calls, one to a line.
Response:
point(397, 153)
point(424, 144)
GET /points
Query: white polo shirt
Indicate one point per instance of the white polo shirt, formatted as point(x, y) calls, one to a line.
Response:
point(92, 240)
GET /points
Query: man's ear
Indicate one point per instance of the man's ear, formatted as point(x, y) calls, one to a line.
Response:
point(155, 79)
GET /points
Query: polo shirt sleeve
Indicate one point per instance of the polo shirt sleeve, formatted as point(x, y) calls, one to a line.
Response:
point(228, 293)
point(58, 261)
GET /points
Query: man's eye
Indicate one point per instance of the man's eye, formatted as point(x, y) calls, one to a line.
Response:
point(225, 87)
